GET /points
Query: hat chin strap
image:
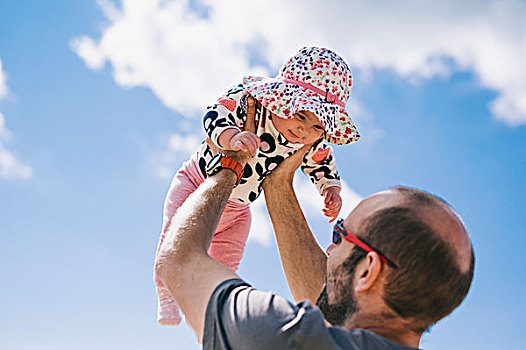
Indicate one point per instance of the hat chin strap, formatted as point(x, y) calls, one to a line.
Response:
point(333, 98)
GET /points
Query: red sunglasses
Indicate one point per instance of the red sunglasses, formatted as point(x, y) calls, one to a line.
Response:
point(350, 237)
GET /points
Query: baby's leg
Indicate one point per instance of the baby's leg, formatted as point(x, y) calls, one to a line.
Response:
point(183, 184)
point(228, 243)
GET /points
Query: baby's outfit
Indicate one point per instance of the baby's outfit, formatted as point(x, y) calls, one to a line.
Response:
point(229, 239)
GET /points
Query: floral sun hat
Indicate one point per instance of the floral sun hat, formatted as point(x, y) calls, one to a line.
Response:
point(317, 80)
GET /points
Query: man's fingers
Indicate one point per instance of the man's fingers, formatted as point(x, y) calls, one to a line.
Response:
point(285, 170)
point(250, 124)
point(294, 161)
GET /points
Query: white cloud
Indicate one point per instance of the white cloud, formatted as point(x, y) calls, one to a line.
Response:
point(312, 202)
point(187, 58)
point(86, 48)
point(5, 134)
point(366, 126)
point(260, 228)
point(10, 166)
point(177, 149)
point(3, 82)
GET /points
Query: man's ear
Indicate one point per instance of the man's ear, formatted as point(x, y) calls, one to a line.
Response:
point(368, 272)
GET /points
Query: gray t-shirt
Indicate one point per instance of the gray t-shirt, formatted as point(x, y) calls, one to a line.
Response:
point(241, 317)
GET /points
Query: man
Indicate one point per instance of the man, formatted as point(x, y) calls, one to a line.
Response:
point(409, 265)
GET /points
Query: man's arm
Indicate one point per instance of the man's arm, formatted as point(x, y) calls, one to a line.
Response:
point(304, 261)
point(183, 263)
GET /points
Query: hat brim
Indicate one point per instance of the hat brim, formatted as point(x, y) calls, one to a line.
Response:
point(285, 100)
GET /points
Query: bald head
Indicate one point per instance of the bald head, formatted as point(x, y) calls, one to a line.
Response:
point(444, 221)
point(424, 236)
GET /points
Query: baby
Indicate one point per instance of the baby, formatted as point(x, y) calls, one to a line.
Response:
point(304, 104)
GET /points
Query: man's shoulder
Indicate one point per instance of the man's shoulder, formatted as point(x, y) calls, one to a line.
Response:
point(239, 316)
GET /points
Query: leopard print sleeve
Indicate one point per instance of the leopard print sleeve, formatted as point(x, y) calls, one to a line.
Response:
point(228, 112)
point(319, 165)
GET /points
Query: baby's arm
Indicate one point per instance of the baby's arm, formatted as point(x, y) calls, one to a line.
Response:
point(320, 166)
point(223, 122)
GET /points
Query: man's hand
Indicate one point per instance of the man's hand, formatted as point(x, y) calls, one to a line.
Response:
point(284, 173)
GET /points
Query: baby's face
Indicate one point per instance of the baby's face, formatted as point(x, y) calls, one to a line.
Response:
point(304, 128)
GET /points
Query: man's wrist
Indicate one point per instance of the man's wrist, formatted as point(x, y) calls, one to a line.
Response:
point(240, 156)
point(222, 161)
point(277, 185)
point(227, 177)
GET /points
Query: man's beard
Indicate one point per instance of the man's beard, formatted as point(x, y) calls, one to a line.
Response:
point(337, 313)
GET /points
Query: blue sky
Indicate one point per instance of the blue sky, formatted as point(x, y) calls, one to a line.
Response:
point(100, 104)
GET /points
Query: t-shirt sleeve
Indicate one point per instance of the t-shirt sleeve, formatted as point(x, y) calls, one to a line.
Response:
point(320, 166)
point(241, 317)
point(228, 112)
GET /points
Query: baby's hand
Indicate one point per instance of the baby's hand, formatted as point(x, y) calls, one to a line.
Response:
point(245, 141)
point(333, 202)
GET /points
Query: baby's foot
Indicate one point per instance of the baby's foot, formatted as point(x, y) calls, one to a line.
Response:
point(168, 313)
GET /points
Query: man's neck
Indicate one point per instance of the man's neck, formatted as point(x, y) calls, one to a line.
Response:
point(385, 325)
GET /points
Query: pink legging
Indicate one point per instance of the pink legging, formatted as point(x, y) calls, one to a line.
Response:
point(229, 238)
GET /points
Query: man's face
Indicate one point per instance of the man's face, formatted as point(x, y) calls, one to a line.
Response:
point(338, 301)
point(342, 303)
